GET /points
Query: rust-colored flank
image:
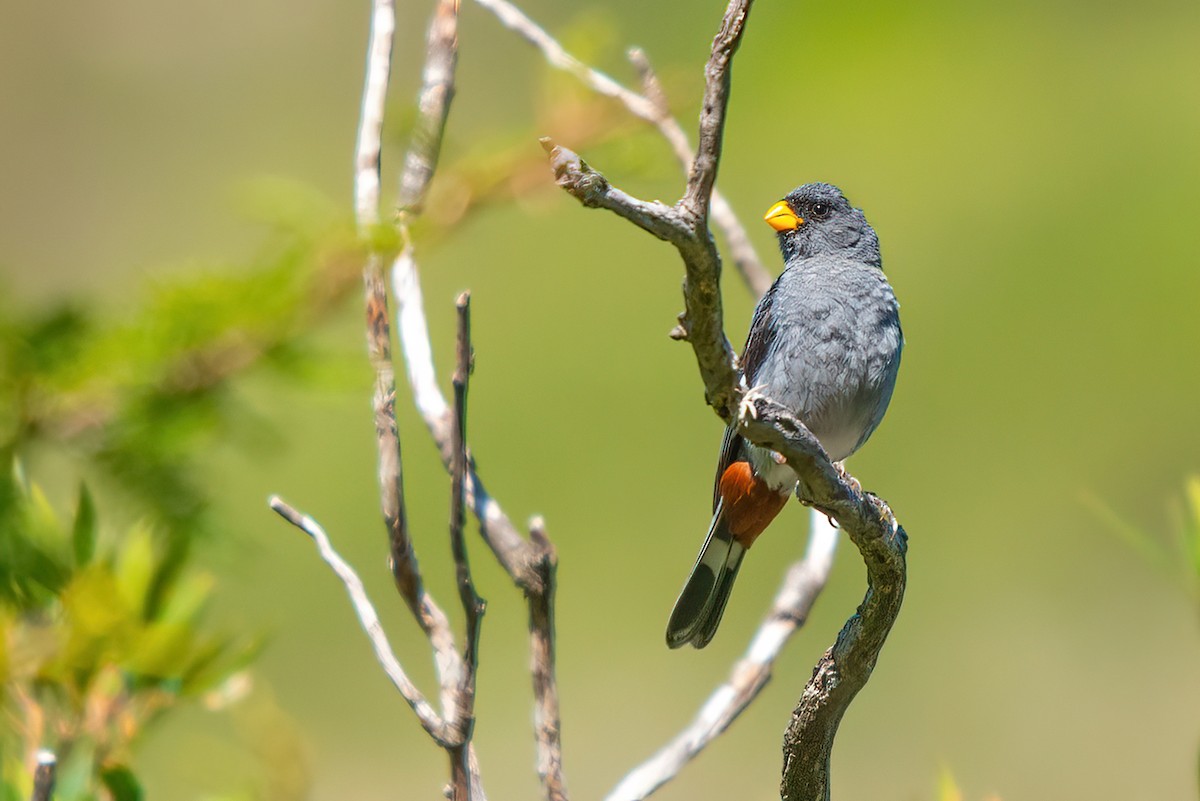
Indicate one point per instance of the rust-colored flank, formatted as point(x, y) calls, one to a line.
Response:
point(750, 505)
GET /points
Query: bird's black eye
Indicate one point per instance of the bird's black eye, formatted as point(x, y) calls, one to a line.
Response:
point(821, 210)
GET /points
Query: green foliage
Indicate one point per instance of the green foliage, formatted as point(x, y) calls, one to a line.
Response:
point(102, 626)
point(101, 638)
point(135, 397)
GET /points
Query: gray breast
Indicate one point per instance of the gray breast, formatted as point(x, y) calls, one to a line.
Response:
point(834, 351)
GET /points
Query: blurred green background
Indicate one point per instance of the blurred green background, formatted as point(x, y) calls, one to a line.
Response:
point(1033, 171)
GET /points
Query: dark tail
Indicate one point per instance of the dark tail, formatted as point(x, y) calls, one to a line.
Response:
point(698, 610)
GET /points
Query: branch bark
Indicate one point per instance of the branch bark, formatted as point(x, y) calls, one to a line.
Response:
point(433, 106)
point(430, 720)
point(684, 225)
point(846, 666)
point(45, 775)
point(788, 613)
point(531, 564)
point(650, 106)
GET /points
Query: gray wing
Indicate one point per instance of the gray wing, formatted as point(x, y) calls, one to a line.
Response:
point(753, 354)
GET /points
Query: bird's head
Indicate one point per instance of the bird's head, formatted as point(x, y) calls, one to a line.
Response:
point(816, 219)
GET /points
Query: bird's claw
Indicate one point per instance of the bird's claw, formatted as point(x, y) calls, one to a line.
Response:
point(746, 409)
point(849, 479)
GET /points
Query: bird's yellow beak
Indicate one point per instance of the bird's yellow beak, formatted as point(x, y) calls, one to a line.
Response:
point(782, 218)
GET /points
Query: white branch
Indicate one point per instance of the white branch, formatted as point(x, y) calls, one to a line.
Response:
point(651, 106)
point(370, 126)
point(367, 616)
point(800, 588)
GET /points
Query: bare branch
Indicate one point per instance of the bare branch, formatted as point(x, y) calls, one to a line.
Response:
point(790, 609)
point(369, 618)
point(847, 665)
point(700, 324)
point(463, 715)
point(531, 563)
point(515, 20)
point(418, 353)
point(685, 225)
point(379, 348)
point(650, 106)
point(712, 113)
point(465, 783)
point(370, 121)
point(594, 191)
point(495, 526)
point(741, 250)
point(546, 720)
point(44, 776)
point(437, 90)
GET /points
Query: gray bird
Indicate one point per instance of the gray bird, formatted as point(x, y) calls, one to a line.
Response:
point(824, 342)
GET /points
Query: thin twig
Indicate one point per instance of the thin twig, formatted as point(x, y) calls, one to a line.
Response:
point(403, 560)
point(593, 190)
point(495, 526)
point(44, 776)
point(712, 113)
point(793, 602)
point(700, 323)
point(433, 104)
point(370, 122)
point(516, 20)
point(650, 106)
point(741, 249)
point(367, 616)
point(472, 604)
point(547, 722)
point(530, 563)
point(379, 348)
point(684, 225)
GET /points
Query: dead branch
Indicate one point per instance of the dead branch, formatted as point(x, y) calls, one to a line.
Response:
point(685, 224)
point(650, 106)
point(45, 775)
point(531, 563)
point(846, 666)
point(433, 106)
point(874, 530)
point(430, 720)
point(789, 610)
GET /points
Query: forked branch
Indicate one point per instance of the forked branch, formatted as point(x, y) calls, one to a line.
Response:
point(685, 224)
point(847, 665)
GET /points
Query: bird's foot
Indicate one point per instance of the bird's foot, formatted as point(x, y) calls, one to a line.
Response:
point(849, 479)
point(746, 409)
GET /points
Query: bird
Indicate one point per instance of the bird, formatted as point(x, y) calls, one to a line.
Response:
point(824, 342)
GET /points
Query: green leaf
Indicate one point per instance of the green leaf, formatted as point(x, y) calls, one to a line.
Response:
point(170, 567)
point(99, 625)
point(136, 566)
point(34, 564)
point(120, 781)
point(83, 533)
point(215, 661)
point(160, 652)
point(189, 596)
